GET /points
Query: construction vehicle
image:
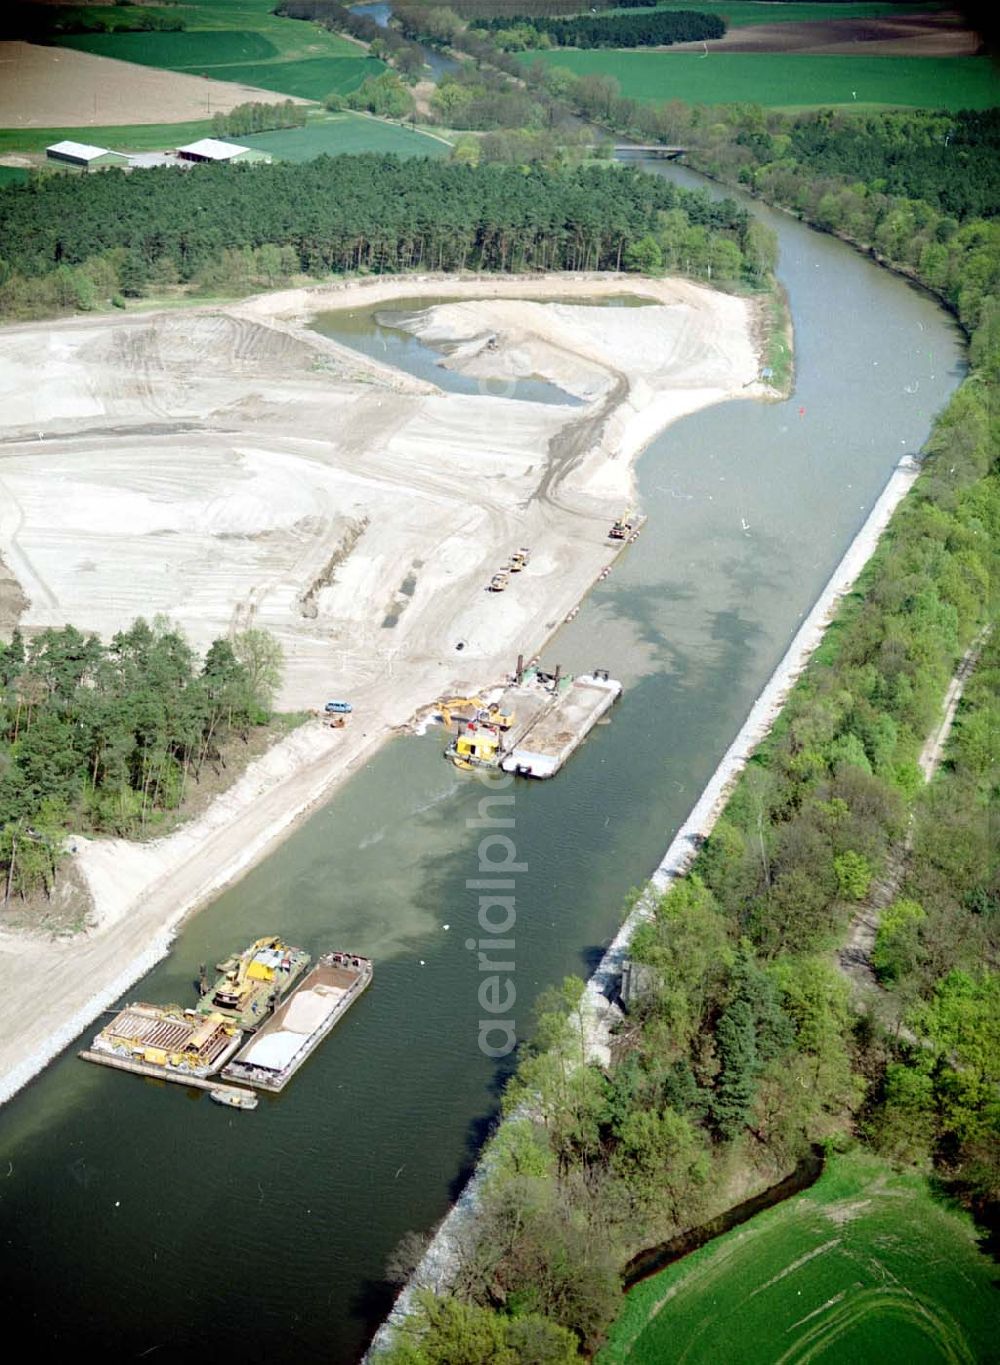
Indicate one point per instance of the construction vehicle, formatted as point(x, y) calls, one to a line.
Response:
point(499, 581)
point(252, 982)
point(474, 708)
point(520, 559)
point(623, 527)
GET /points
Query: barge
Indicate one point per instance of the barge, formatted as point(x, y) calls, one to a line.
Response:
point(167, 1041)
point(271, 1058)
point(562, 727)
point(254, 982)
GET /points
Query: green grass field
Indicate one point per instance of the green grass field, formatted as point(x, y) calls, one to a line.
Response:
point(789, 81)
point(241, 40)
point(345, 132)
point(741, 13)
point(865, 1266)
point(312, 79)
point(144, 137)
point(333, 134)
point(177, 51)
point(13, 175)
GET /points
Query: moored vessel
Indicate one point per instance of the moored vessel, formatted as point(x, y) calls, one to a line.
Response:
point(299, 1025)
point(234, 1099)
point(254, 982)
point(168, 1040)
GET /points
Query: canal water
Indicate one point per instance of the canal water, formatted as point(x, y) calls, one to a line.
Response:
point(139, 1220)
point(381, 13)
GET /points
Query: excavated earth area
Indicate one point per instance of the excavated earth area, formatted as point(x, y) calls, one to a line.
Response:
point(227, 469)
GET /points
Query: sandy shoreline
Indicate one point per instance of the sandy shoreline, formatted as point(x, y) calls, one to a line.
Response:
point(268, 475)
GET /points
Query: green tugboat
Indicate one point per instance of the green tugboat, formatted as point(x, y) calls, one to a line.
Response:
point(254, 982)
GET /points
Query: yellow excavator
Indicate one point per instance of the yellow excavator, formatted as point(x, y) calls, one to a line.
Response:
point(474, 708)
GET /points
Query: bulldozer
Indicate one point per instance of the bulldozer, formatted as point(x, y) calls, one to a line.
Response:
point(520, 559)
point(498, 582)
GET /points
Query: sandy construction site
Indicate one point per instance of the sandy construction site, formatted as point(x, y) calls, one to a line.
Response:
point(231, 466)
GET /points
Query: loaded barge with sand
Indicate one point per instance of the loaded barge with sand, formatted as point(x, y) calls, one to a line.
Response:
point(295, 1030)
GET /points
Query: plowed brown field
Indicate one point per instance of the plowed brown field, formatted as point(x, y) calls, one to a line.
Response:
point(55, 87)
point(912, 35)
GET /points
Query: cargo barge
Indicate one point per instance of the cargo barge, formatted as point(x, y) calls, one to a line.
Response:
point(254, 982)
point(562, 727)
point(271, 1058)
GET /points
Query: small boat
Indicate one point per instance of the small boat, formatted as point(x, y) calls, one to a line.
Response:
point(234, 1099)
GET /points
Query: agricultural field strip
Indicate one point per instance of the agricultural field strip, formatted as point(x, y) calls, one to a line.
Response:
point(791, 80)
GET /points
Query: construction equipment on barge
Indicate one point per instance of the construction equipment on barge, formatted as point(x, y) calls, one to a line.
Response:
point(274, 1054)
point(175, 1043)
point(477, 745)
point(254, 982)
point(549, 716)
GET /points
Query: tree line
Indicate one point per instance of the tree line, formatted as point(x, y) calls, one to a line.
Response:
point(41, 23)
point(258, 118)
point(107, 738)
point(661, 28)
point(76, 240)
point(387, 43)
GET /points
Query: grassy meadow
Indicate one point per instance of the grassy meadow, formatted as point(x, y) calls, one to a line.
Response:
point(344, 132)
point(793, 81)
point(865, 1265)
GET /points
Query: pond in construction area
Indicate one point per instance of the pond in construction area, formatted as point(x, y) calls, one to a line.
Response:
point(384, 333)
point(143, 1220)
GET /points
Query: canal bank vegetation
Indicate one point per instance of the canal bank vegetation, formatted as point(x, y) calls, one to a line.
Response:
point(117, 739)
point(741, 1046)
point(73, 242)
